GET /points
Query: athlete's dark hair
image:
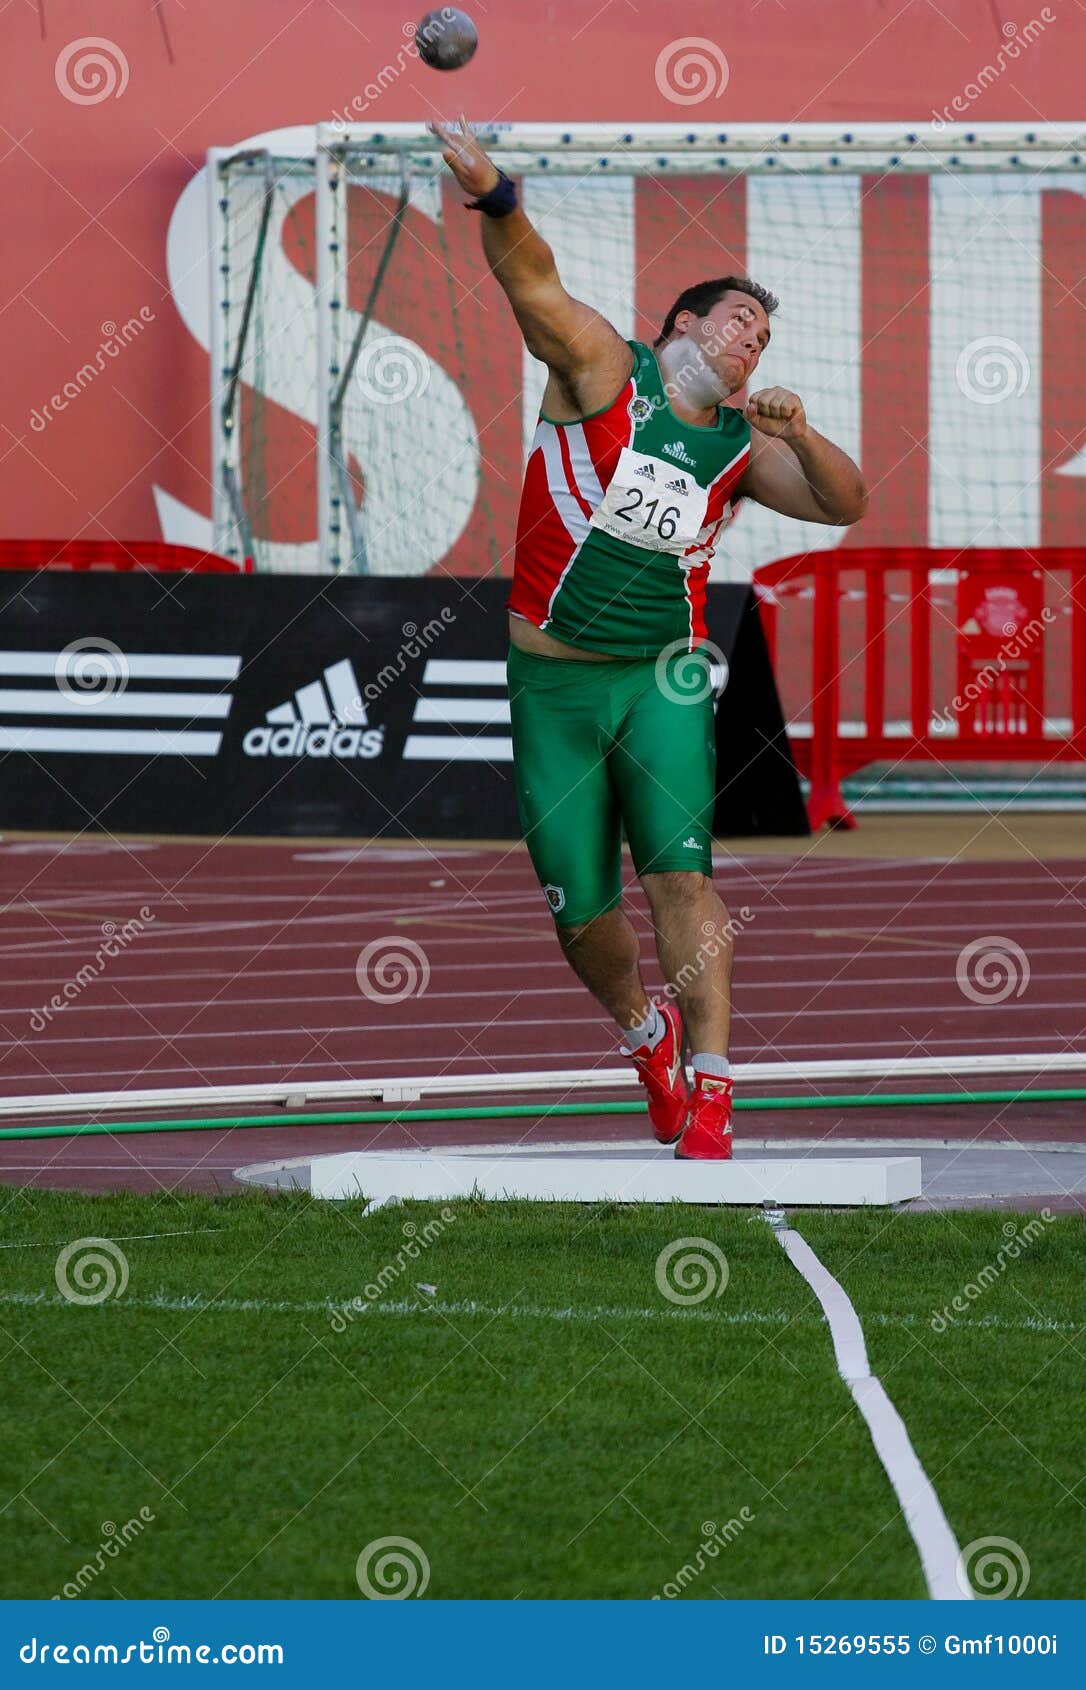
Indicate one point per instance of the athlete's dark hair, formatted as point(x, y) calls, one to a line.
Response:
point(704, 295)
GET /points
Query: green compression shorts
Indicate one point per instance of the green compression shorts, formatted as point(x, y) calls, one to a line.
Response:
point(602, 748)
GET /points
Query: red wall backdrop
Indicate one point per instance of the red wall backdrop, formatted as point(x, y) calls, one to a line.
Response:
point(87, 189)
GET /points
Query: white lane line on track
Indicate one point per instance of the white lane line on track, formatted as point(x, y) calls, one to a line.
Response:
point(467, 994)
point(929, 1528)
point(377, 905)
point(362, 1067)
point(469, 1308)
point(853, 910)
point(779, 922)
point(421, 1029)
point(44, 950)
point(866, 872)
point(450, 1063)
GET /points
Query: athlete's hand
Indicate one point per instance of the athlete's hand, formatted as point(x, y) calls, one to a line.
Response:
point(475, 172)
point(777, 412)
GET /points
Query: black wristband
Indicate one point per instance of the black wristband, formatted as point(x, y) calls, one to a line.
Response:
point(500, 201)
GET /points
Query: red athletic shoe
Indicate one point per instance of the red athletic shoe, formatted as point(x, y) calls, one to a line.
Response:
point(707, 1126)
point(662, 1075)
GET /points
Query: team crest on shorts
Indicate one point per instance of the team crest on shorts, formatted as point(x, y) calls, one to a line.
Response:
point(555, 897)
point(639, 408)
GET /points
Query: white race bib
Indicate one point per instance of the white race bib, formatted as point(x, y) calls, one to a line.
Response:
point(652, 503)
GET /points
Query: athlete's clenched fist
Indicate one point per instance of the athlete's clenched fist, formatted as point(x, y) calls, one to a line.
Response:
point(776, 411)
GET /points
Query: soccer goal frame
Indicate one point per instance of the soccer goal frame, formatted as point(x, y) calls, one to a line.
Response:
point(407, 154)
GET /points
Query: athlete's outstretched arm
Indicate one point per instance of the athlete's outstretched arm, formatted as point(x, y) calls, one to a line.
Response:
point(568, 336)
point(794, 469)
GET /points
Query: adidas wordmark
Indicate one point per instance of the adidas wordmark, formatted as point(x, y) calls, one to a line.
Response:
point(325, 718)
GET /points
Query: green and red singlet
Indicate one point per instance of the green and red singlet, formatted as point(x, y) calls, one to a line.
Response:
point(619, 517)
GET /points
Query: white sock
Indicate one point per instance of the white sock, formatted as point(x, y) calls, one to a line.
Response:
point(650, 1031)
point(713, 1067)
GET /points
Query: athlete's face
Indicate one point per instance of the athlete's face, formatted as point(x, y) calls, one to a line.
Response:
point(731, 338)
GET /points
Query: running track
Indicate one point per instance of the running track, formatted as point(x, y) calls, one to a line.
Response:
point(245, 967)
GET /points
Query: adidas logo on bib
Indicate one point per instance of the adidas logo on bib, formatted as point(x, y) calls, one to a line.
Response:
point(647, 471)
point(676, 449)
point(679, 485)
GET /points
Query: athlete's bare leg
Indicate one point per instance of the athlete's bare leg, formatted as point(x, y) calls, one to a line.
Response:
point(605, 954)
point(694, 944)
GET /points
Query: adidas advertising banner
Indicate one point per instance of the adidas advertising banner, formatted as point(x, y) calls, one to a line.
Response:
point(208, 704)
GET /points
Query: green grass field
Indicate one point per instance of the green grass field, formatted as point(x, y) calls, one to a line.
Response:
point(538, 1419)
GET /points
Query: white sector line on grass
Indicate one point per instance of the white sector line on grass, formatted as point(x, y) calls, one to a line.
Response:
point(164, 1303)
point(923, 1512)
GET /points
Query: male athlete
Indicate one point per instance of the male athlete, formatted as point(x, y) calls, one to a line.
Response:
point(637, 465)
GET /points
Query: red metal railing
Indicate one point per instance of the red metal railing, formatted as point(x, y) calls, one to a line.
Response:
point(114, 555)
point(890, 654)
